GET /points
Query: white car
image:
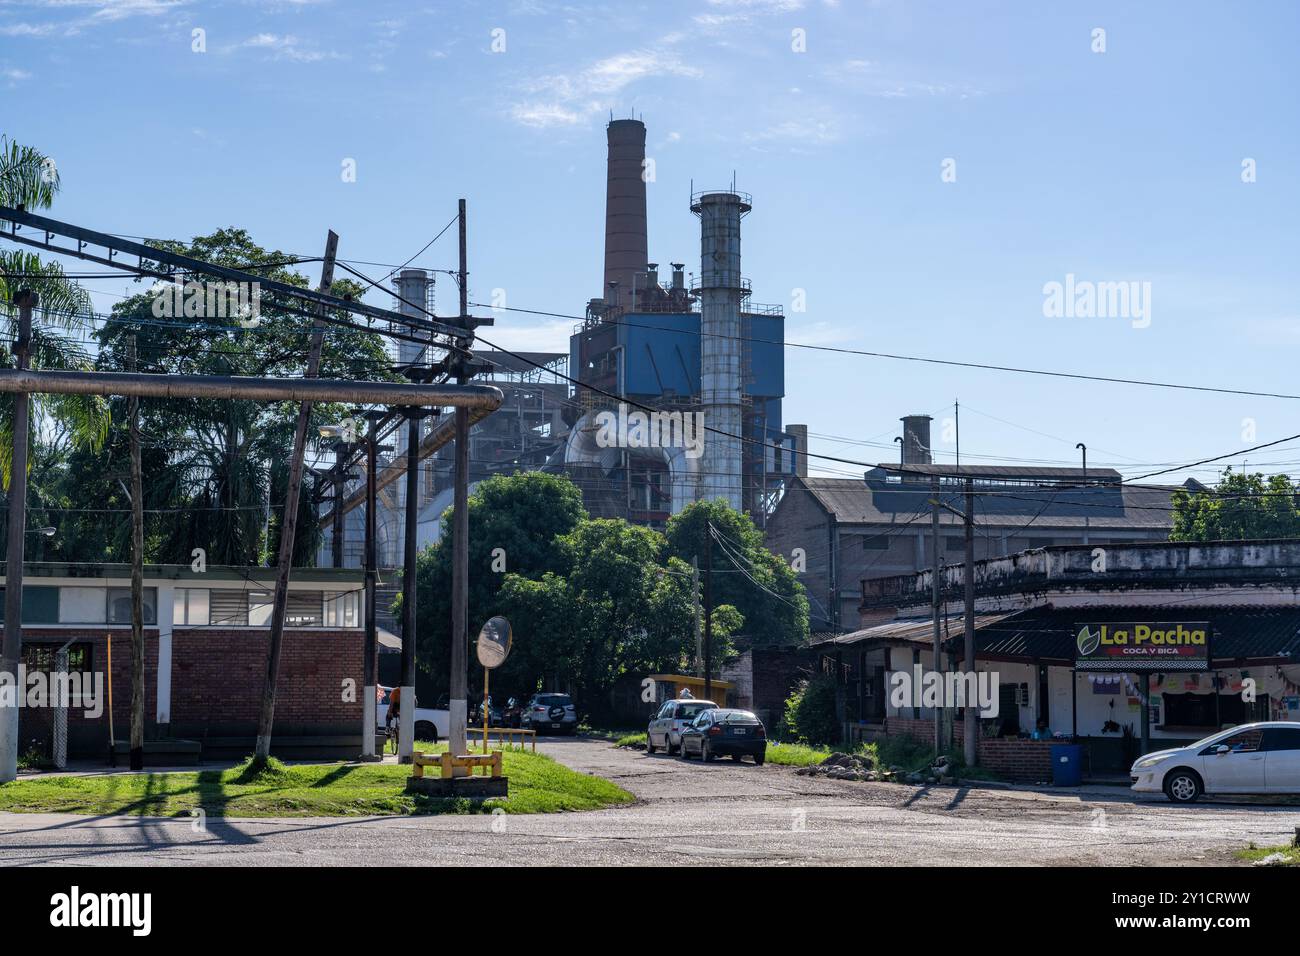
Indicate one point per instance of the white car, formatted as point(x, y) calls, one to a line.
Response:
point(665, 727)
point(431, 724)
point(1261, 758)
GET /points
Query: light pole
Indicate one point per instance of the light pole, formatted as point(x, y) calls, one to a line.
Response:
point(1084, 449)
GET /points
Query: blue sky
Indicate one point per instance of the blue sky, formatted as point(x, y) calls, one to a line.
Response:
point(1122, 165)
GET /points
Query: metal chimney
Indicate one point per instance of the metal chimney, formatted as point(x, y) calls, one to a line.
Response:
point(916, 439)
point(721, 292)
point(626, 245)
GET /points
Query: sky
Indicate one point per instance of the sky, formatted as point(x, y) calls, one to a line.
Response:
point(921, 173)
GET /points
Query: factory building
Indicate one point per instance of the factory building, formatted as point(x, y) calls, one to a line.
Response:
point(699, 352)
point(840, 531)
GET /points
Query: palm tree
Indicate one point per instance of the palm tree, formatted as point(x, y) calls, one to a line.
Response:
point(29, 178)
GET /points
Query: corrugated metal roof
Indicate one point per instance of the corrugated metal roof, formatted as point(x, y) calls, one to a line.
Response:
point(1239, 633)
point(855, 501)
point(911, 630)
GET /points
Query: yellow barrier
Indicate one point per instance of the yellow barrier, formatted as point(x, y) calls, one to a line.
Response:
point(447, 762)
point(503, 732)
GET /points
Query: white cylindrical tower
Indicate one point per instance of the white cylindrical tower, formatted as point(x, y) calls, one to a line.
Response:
point(721, 291)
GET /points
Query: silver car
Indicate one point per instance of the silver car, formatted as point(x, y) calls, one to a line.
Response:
point(665, 728)
point(550, 713)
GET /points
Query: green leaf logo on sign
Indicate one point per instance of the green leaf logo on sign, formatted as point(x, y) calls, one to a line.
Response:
point(1088, 641)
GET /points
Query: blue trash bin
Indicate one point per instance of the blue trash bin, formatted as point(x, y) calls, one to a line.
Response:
point(1067, 765)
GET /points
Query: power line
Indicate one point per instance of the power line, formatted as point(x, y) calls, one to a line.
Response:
point(1114, 380)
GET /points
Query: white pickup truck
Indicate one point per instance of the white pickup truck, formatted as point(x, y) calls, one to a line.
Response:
point(431, 724)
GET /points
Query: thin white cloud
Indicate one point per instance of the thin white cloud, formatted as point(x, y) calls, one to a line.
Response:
point(286, 47)
point(567, 99)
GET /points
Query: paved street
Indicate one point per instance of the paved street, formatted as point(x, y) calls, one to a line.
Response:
point(718, 813)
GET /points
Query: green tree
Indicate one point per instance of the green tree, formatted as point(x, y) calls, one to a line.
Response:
point(1241, 508)
point(810, 712)
point(216, 472)
point(763, 588)
point(515, 523)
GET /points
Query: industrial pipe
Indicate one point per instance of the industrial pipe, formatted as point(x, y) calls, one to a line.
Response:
point(484, 398)
point(438, 436)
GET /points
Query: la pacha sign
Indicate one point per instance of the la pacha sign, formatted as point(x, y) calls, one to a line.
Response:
point(1143, 645)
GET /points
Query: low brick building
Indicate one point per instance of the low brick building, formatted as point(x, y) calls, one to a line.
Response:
point(206, 641)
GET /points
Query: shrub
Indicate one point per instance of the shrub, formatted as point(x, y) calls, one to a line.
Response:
point(810, 712)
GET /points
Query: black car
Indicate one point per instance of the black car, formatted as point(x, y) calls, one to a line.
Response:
point(723, 731)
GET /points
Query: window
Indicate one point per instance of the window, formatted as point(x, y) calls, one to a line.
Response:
point(303, 609)
point(342, 609)
point(260, 605)
point(1248, 741)
point(875, 542)
point(43, 657)
point(229, 608)
point(119, 605)
point(1282, 738)
point(40, 604)
point(83, 605)
point(190, 607)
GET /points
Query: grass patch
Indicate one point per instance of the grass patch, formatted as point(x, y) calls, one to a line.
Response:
point(795, 755)
point(636, 740)
point(1253, 853)
point(537, 785)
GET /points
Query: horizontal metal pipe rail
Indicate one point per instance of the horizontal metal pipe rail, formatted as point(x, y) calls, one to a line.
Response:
point(478, 398)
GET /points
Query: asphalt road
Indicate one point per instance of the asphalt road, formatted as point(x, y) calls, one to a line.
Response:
point(692, 812)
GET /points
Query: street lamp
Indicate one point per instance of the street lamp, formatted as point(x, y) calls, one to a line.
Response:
point(47, 531)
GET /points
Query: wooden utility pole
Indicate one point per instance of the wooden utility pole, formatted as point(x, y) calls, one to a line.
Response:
point(12, 652)
point(289, 521)
point(934, 606)
point(695, 604)
point(137, 576)
point(708, 609)
point(458, 687)
point(969, 730)
point(369, 708)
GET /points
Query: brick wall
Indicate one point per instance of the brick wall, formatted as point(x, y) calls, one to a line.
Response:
point(216, 684)
point(1009, 757)
point(217, 676)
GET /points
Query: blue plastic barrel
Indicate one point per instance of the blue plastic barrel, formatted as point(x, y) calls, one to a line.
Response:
point(1067, 765)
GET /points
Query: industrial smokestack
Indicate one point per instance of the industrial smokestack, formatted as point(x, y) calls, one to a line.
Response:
point(916, 439)
point(626, 244)
point(721, 291)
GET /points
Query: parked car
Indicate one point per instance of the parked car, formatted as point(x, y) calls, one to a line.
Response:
point(718, 731)
point(666, 726)
point(550, 712)
point(494, 714)
point(1261, 758)
point(431, 723)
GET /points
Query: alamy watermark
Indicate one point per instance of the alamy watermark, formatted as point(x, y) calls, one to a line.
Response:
point(633, 428)
point(947, 689)
point(39, 690)
point(209, 300)
point(1085, 299)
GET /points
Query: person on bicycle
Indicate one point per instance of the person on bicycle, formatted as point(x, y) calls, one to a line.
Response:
point(394, 707)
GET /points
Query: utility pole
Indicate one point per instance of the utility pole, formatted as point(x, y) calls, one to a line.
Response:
point(695, 602)
point(459, 692)
point(406, 719)
point(708, 609)
point(369, 715)
point(16, 529)
point(289, 521)
point(137, 578)
point(969, 750)
point(934, 605)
